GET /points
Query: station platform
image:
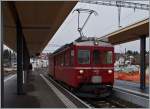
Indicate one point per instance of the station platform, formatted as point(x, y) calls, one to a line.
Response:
point(131, 92)
point(40, 93)
point(131, 86)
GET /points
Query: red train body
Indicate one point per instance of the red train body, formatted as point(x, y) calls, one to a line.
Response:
point(84, 63)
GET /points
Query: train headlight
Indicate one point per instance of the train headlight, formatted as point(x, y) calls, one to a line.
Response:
point(81, 71)
point(96, 43)
point(109, 71)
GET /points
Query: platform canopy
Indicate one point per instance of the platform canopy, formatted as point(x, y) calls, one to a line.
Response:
point(129, 33)
point(39, 20)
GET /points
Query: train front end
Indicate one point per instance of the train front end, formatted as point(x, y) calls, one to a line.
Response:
point(95, 70)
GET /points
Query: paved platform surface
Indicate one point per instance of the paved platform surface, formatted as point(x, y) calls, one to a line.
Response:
point(131, 92)
point(131, 86)
point(38, 94)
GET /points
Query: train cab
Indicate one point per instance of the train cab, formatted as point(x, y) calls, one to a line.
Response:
point(86, 66)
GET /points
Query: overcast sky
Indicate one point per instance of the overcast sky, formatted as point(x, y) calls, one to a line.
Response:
point(104, 23)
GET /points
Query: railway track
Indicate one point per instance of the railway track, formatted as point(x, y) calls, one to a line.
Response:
point(109, 102)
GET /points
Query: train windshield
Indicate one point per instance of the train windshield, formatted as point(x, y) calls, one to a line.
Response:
point(96, 57)
point(107, 57)
point(84, 56)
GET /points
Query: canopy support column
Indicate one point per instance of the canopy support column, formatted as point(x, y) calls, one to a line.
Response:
point(19, 40)
point(25, 60)
point(2, 44)
point(19, 44)
point(142, 61)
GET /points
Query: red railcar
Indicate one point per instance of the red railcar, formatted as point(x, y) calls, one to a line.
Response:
point(85, 65)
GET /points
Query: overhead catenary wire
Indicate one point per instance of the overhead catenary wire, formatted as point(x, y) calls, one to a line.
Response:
point(68, 22)
point(118, 4)
point(125, 18)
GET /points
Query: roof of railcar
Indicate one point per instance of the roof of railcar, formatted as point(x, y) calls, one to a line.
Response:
point(82, 42)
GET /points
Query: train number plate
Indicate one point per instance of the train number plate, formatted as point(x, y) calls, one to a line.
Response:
point(96, 79)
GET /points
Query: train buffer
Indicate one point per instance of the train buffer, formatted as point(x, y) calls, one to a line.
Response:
point(40, 92)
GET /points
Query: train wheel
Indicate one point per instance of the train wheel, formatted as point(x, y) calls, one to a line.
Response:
point(71, 89)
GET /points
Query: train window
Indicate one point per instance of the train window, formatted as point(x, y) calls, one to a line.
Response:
point(72, 52)
point(83, 56)
point(96, 57)
point(59, 60)
point(62, 60)
point(71, 57)
point(67, 58)
point(107, 57)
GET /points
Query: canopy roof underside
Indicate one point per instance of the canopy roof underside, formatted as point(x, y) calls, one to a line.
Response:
point(129, 33)
point(39, 21)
